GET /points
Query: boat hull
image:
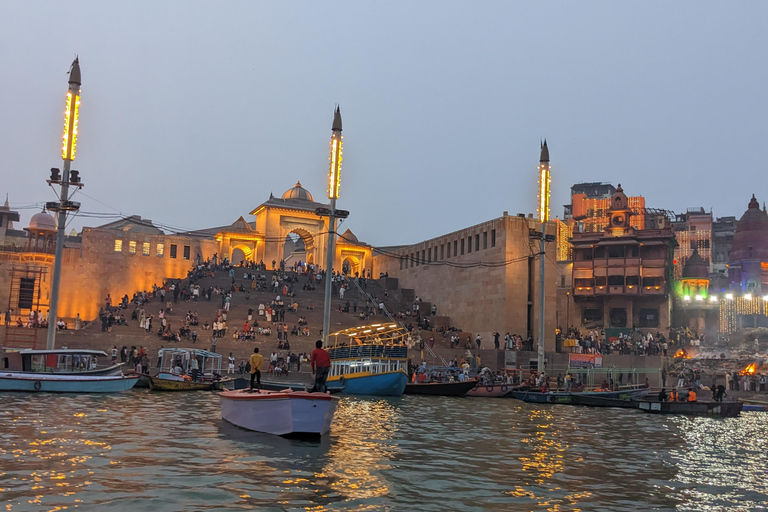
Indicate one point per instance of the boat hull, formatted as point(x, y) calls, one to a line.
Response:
point(66, 383)
point(279, 412)
point(376, 384)
point(718, 409)
point(552, 397)
point(490, 391)
point(160, 384)
point(458, 388)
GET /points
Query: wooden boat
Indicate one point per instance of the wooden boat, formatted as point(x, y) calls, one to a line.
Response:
point(175, 373)
point(62, 383)
point(562, 397)
point(491, 390)
point(279, 412)
point(591, 400)
point(456, 388)
point(369, 360)
point(718, 409)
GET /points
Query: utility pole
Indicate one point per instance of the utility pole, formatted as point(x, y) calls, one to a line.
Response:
point(64, 205)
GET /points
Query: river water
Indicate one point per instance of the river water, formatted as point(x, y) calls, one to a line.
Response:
point(118, 452)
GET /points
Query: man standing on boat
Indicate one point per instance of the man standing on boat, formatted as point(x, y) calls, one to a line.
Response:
point(320, 362)
point(256, 361)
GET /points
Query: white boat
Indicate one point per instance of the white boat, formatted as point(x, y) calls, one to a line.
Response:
point(61, 371)
point(281, 413)
point(21, 381)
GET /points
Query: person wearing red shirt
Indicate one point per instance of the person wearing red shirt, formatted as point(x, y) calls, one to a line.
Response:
point(320, 362)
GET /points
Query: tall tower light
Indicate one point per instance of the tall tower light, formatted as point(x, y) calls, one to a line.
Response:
point(544, 193)
point(65, 179)
point(334, 181)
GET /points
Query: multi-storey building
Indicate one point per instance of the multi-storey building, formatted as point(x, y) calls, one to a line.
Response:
point(621, 274)
point(693, 232)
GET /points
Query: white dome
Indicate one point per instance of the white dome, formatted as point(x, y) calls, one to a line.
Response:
point(42, 222)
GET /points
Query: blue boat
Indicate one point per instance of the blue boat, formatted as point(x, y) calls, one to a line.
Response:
point(369, 360)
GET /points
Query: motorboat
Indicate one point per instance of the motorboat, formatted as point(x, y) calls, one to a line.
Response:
point(282, 413)
point(61, 371)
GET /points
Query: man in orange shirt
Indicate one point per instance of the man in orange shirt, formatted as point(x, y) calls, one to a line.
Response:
point(320, 362)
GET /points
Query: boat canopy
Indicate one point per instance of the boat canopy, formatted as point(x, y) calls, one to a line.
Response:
point(171, 358)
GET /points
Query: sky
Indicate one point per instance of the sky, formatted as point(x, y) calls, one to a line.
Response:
point(192, 113)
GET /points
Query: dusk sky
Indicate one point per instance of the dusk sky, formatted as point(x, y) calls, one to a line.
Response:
point(193, 112)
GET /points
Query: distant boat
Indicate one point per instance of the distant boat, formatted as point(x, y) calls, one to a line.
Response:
point(279, 412)
point(718, 409)
point(456, 388)
point(61, 371)
point(495, 390)
point(176, 374)
point(563, 397)
point(369, 360)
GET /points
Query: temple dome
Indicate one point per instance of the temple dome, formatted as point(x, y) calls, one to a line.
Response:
point(298, 192)
point(696, 267)
point(751, 239)
point(42, 221)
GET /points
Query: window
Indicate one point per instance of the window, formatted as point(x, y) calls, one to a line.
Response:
point(649, 318)
point(186, 252)
point(562, 281)
point(160, 250)
point(401, 263)
point(485, 239)
point(423, 256)
point(469, 244)
point(118, 246)
point(132, 247)
point(462, 246)
point(616, 251)
point(429, 255)
point(455, 247)
point(493, 238)
point(615, 280)
point(477, 242)
point(145, 248)
point(442, 252)
point(592, 316)
point(26, 292)
point(173, 251)
point(618, 317)
point(633, 280)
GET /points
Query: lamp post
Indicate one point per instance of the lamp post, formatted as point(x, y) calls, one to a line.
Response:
point(334, 180)
point(543, 207)
point(69, 177)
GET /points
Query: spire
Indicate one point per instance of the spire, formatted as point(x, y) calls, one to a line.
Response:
point(753, 203)
point(337, 120)
point(74, 72)
point(544, 152)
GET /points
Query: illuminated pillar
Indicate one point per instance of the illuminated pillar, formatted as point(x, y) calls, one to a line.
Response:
point(67, 154)
point(334, 180)
point(543, 207)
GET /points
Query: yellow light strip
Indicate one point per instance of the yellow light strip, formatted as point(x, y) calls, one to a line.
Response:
point(69, 139)
point(334, 176)
point(544, 192)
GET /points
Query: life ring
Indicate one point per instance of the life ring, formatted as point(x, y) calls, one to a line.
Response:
point(342, 380)
point(551, 399)
point(489, 388)
point(504, 388)
point(38, 385)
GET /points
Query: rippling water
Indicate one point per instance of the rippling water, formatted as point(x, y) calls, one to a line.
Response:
point(412, 453)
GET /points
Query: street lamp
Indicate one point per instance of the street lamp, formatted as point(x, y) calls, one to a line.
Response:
point(334, 181)
point(69, 177)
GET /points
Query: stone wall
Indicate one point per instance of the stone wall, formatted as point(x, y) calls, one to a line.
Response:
point(484, 290)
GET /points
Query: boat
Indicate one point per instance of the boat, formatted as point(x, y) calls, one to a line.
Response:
point(495, 390)
point(175, 373)
point(282, 413)
point(59, 383)
point(59, 361)
point(241, 383)
point(61, 371)
point(575, 397)
point(456, 388)
point(708, 408)
point(369, 360)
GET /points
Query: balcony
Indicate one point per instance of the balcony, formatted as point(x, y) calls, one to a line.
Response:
point(654, 290)
point(615, 290)
point(583, 291)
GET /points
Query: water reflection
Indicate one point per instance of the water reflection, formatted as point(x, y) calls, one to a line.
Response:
point(425, 453)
